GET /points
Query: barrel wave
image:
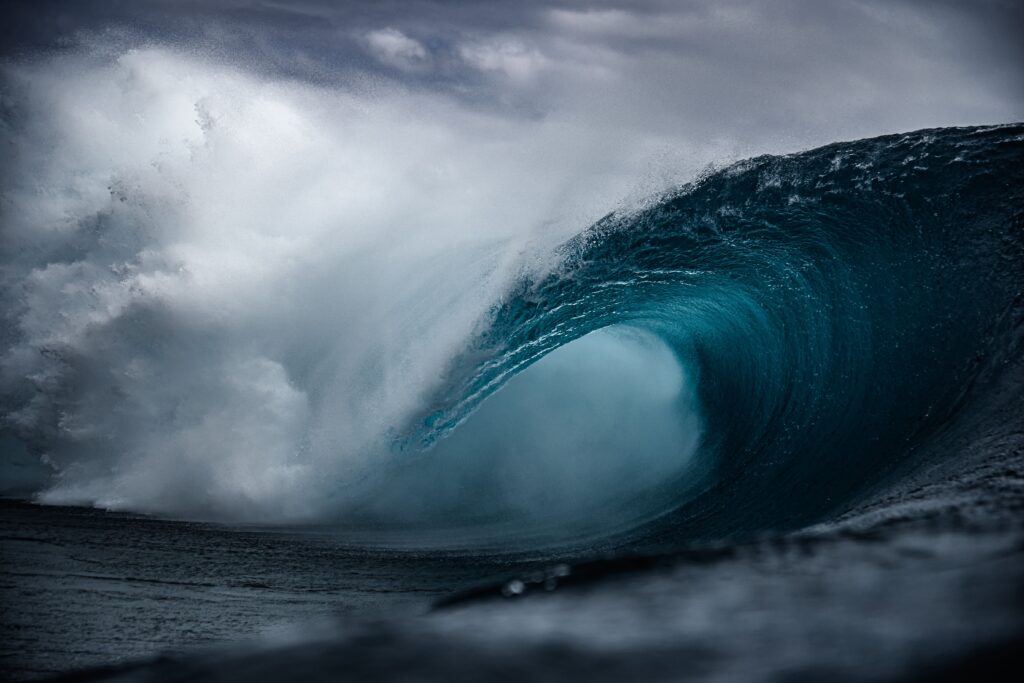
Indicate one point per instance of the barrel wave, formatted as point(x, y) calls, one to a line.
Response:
point(838, 311)
point(756, 351)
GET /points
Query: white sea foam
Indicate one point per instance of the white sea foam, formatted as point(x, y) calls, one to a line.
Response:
point(224, 292)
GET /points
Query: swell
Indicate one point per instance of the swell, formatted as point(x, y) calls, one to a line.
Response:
point(837, 308)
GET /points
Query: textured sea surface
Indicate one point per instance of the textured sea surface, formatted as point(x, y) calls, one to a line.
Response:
point(82, 587)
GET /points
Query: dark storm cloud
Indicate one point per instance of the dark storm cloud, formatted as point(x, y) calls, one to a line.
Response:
point(736, 63)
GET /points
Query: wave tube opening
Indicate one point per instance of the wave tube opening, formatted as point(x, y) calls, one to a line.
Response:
point(596, 437)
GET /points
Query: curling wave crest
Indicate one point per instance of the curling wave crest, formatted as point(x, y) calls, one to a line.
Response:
point(207, 312)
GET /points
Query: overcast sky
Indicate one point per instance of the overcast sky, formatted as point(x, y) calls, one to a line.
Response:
point(754, 74)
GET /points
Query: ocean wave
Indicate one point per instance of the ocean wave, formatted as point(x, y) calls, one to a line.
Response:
point(194, 325)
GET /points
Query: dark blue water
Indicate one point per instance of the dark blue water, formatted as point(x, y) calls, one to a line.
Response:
point(837, 308)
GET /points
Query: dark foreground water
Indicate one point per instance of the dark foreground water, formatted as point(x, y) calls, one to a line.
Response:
point(83, 587)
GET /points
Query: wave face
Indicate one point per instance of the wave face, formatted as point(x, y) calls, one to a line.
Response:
point(841, 308)
point(189, 329)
